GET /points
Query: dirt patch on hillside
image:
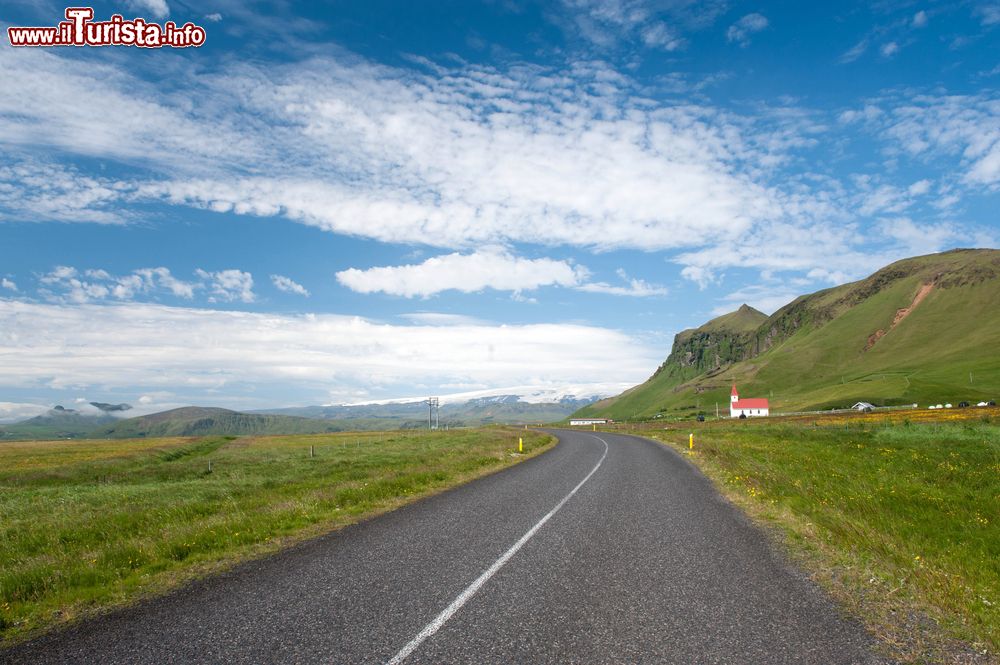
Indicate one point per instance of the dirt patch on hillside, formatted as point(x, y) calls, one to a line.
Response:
point(901, 314)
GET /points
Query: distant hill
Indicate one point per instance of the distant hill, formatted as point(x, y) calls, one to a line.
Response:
point(198, 421)
point(922, 330)
point(503, 409)
point(58, 423)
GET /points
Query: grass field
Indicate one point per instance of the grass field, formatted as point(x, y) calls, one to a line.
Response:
point(87, 525)
point(899, 516)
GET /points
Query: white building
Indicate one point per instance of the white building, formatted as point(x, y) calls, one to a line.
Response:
point(589, 421)
point(751, 407)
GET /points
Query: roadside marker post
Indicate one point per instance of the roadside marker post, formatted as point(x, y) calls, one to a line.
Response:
point(520, 445)
point(691, 441)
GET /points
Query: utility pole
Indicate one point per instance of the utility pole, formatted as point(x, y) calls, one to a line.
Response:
point(432, 410)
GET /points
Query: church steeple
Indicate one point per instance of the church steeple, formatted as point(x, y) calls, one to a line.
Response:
point(734, 396)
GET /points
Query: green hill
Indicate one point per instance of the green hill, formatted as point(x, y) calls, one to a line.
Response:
point(497, 409)
point(198, 421)
point(922, 330)
point(58, 423)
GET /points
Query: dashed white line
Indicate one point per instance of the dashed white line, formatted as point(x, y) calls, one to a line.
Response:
point(435, 625)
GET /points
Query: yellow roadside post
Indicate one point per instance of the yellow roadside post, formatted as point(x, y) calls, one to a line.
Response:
point(520, 445)
point(595, 427)
point(691, 441)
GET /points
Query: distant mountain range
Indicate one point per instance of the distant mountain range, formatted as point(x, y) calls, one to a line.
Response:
point(480, 411)
point(198, 421)
point(922, 330)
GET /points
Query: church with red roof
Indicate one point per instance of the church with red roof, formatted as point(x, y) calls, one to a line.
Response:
point(748, 407)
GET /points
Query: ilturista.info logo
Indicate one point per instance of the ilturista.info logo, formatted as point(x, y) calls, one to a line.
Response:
point(80, 29)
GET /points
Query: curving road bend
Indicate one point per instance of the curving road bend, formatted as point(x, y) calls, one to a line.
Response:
point(606, 549)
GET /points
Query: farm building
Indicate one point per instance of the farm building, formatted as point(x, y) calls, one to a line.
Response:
point(749, 407)
point(863, 406)
point(590, 421)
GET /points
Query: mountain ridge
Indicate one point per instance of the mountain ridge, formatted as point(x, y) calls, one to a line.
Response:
point(879, 339)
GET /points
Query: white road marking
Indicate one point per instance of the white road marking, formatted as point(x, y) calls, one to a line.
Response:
point(471, 590)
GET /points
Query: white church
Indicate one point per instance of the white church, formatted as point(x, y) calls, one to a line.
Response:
point(748, 407)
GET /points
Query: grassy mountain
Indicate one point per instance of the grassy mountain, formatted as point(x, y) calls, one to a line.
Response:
point(58, 423)
point(922, 330)
point(715, 345)
point(198, 421)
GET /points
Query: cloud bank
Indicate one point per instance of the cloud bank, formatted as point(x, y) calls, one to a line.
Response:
point(197, 353)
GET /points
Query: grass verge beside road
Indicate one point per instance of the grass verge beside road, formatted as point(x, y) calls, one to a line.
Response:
point(900, 521)
point(88, 525)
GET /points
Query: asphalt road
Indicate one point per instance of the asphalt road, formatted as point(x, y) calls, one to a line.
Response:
point(607, 549)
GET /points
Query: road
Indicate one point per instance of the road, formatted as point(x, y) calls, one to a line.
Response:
point(606, 549)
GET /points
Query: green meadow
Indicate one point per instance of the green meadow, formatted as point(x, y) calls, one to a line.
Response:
point(88, 525)
point(899, 519)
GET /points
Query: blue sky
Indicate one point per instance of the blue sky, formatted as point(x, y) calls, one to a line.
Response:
point(374, 200)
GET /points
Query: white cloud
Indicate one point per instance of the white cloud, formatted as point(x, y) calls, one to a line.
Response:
point(604, 23)
point(158, 8)
point(989, 14)
point(632, 287)
point(919, 188)
point(76, 290)
point(877, 197)
point(889, 49)
point(868, 113)
point(967, 126)
point(455, 158)
point(919, 19)
point(921, 238)
point(762, 299)
point(145, 348)
point(700, 275)
point(855, 52)
point(228, 285)
point(660, 35)
point(68, 283)
point(740, 31)
point(790, 248)
point(462, 157)
point(8, 284)
point(100, 109)
point(830, 253)
point(12, 412)
point(32, 191)
point(492, 268)
point(827, 275)
point(288, 285)
point(443, 319)
point(161, 277)
point(214, 17)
